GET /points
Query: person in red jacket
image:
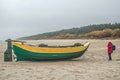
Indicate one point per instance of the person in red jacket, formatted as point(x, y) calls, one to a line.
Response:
point(110, 50)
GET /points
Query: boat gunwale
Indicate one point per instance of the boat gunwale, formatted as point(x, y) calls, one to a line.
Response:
point(51, 50)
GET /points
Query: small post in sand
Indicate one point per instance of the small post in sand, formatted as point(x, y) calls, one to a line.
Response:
point(8, 52)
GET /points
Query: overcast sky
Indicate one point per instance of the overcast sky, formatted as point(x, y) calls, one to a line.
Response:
point(20, 18)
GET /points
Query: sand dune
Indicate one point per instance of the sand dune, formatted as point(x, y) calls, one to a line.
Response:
point(93, 65)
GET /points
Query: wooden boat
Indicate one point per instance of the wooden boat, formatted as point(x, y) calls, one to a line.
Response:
point(25, 52)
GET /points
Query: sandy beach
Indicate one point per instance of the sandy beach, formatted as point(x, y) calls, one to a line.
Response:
point(93, 65)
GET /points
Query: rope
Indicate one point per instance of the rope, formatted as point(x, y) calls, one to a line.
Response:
point(101, 49)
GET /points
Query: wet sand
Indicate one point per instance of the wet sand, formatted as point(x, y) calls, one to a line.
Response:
point(93, 65)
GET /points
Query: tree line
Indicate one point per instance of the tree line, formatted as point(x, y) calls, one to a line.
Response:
point(90, 31)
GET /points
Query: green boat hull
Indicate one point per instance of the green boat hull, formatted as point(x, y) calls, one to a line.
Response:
point(24, 55)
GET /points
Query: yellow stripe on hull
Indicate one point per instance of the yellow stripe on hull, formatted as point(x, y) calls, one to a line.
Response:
point(49, 50)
